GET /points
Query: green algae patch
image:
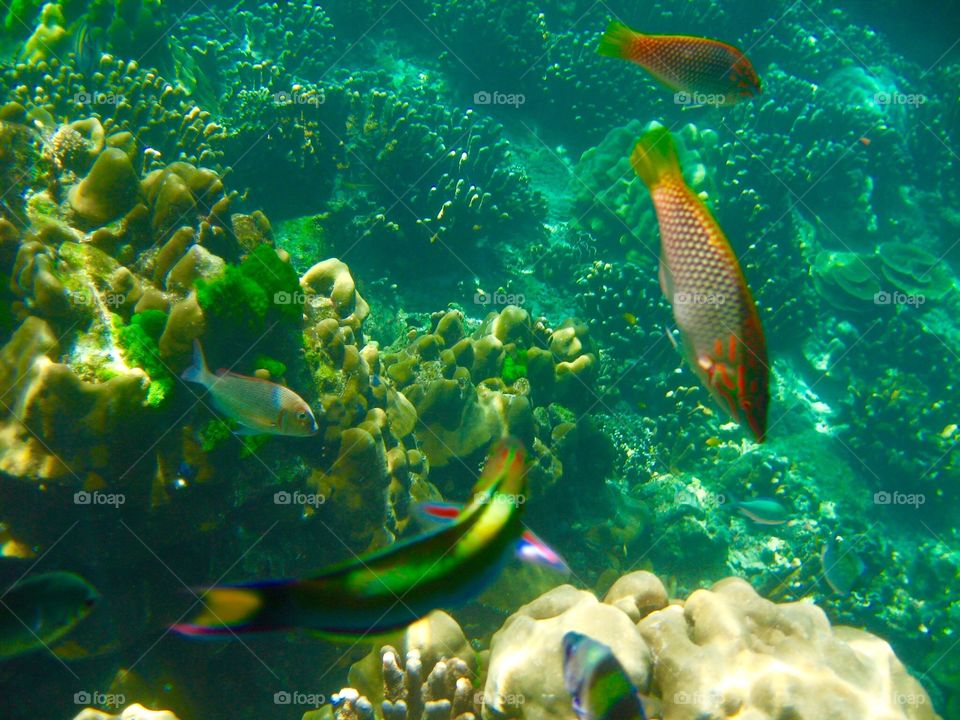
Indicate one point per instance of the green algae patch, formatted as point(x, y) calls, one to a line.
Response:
point(139, 342)
point(244, 294)
point(514, 366)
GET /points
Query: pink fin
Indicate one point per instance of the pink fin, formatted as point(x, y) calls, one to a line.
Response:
point(532, 549)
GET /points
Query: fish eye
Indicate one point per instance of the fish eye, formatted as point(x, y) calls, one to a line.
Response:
point(301, 415)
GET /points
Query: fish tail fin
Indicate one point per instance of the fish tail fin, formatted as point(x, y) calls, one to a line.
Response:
point(654, 157)
point(616, 41)
point(233, 610)
point(198, 371)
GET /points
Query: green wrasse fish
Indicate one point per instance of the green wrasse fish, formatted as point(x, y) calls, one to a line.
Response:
point(38, 611)
point(386, 590)
point(258, 406)
point(709, 72)
point(596, 680)
point(723, 340)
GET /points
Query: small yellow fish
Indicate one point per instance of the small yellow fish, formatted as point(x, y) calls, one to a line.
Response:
point(259, 406)
point(630, 318)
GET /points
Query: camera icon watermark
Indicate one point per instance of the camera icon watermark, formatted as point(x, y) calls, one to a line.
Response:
point(484, 97)
point(283, 497)
point(506, 498)
point(912, 699)
point(883, 497)
point(83, 497)
point(696, 99)
point(283, 297)
point(899, 98)
point(686, 496)
point(898, 298)
point(299, 96)
point(99, 699)
point(87, 298)
point(698, 298)
point(498, 298)
point(713, 698)
point(98, 98)
point(498, 700)
point(295, 697)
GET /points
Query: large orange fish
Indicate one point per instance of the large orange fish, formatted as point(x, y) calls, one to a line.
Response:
point(714, 310)
point(708, 72)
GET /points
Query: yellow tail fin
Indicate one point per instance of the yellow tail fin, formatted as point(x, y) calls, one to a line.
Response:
point(654, 157)
point(616, 40)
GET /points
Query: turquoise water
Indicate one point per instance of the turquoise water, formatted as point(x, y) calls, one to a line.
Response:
point(417, 226)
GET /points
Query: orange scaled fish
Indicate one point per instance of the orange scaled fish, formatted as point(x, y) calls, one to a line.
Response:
point(712, 305)
point(258, 406)
point(709, 72)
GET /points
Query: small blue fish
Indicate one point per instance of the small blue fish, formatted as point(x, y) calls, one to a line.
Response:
point(259, 406)
point(596, 680)
point(842, 566)
point(763, 511)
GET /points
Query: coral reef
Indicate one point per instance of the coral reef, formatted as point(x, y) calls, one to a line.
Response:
point(468, 390)
point(721, 650)
point(404, 148)
point(431, 675)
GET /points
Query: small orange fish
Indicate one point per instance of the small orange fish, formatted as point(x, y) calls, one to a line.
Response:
point(259, 406)
point(709, 72)
point(712, 305)
point(865, 141)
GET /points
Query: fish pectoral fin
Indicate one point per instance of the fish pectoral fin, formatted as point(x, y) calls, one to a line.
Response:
point(243, 430)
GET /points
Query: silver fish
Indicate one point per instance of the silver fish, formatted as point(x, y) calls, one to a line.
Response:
point(258, 406)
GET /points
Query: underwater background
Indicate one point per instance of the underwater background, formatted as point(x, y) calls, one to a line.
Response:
point(421, 218)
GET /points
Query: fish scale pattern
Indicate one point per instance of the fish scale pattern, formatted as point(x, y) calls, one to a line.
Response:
point(702, 65)
point(712, 305)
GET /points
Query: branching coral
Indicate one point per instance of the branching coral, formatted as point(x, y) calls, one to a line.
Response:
point(431, 676)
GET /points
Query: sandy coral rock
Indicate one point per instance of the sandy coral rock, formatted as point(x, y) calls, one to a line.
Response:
point(525, 676)
point(196, 263)
point(185, 324)
point(55, 425)
point(357, 475)
point(457, 419)
point(108, 191)
point(34, 280)
point(637, 594)
point(728, 651)
point(131, 712)
point(331, 279)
